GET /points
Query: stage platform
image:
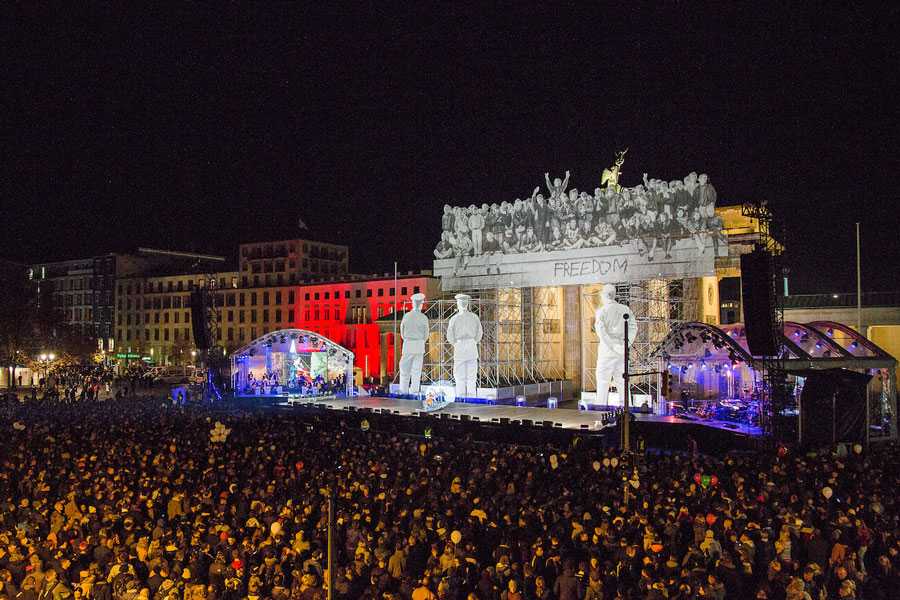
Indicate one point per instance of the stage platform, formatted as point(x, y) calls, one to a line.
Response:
point(565, 418)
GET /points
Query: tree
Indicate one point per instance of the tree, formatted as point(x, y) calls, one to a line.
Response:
point(19, 328)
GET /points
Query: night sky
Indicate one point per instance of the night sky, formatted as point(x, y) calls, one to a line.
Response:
point(192, 130)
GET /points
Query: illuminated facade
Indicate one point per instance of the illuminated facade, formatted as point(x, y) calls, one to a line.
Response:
point(288, 262)
point(82, 291)
point(153, 314)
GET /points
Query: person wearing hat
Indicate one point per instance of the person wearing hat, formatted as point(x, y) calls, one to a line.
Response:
point(609, 325)
point(464, 332)
point(414, 332)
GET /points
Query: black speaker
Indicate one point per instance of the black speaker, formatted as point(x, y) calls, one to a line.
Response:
point(198, 319)
point(464, 417)
point(758, 290)
point(504, 420)
point(527, 422)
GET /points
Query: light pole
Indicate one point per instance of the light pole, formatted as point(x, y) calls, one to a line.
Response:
point(44, 360)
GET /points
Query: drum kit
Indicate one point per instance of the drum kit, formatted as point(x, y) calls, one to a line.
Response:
point(740, 410)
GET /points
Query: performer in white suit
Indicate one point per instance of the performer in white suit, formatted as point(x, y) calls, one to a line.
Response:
point(464, 332)
point(609, 324)
point(414, 332)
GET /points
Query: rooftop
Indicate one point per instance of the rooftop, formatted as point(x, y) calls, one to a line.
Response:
point(869, 299)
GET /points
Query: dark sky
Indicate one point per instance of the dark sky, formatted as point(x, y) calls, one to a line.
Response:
point(199, 130)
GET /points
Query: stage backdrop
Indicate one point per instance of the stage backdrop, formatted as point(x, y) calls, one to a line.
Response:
point(615, 234)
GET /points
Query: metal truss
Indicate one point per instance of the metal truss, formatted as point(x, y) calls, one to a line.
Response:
point(522, 340)
point(658, 305)
point(775, 388)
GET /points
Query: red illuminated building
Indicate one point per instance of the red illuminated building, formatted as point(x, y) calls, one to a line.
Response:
point(358, 314)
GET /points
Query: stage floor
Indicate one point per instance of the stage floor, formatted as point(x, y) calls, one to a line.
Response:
point(566, 418)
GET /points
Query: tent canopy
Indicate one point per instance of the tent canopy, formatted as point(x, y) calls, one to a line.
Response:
point(817, 345)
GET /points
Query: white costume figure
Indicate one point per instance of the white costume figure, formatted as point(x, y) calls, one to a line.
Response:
point(464, 332)
point(414, 332)
point(609, 326)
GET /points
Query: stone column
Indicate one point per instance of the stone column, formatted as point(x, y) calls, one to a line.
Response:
point(383, 347)
point(572, 338)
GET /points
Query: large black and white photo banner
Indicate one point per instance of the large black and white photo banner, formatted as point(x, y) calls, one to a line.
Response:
point(617, 234)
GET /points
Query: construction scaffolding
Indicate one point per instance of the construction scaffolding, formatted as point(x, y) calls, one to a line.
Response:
point(522, 343)
point(658, 305)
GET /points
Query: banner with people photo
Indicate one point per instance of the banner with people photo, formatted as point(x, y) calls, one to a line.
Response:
point(617, 234)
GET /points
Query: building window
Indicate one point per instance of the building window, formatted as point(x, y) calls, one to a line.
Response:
point(391, 292)
point(327, 294)
point(265, 298)
point(278, 315)
point(337, 314)
point(306, 315)
point(265, 315)
point(230, 334)
point(252, 298)
point(241, 299)
point(231, 315)
point(253, 316)
point(316, 313)
point(291, 315)
point(403, 291)
point(278, 297)
point(316, 295)
point(291, 297)
point(380, 292)
point(240, 316)
point(327, 314)
point(156, 317)
point(165, 335)
point(156, 335)
point(368, 293)
point(416, 290)
point(165, 317)
point(177, 316)
point(306, 296)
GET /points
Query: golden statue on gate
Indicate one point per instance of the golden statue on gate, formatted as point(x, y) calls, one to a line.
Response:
point(610, 177)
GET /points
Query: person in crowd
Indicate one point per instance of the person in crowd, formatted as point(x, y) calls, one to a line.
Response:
point(130, 498)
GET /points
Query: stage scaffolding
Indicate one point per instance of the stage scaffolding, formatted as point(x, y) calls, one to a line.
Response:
point(522, 343)
point(658, 305)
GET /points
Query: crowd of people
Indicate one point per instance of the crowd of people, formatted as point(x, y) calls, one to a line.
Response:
point(303, 383)
point(133, 499)
point(651, 217)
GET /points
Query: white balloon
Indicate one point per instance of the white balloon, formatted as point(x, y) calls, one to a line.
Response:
point(606, 462)
point(455, 537)
point(827, 492)
point(596, 465)
point(554, 462)
point(275, 528)
point(857, 448)
point(614, 462)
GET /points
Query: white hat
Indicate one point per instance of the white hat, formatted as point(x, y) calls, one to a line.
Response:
point(463, 297)
point(417, 297)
